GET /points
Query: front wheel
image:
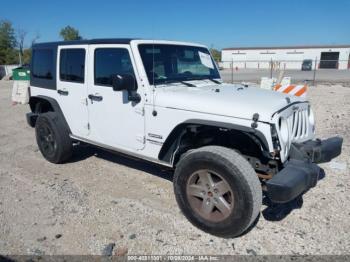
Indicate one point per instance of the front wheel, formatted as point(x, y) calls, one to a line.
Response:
point(217, 190)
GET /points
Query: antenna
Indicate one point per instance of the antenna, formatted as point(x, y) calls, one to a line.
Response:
point(153, 84)
point(154, 112)
point(153, 66)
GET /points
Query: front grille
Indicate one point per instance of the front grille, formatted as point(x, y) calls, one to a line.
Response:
point(299, 124)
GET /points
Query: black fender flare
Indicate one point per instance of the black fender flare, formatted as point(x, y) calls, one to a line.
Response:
point(54, 105)
point(169, 146)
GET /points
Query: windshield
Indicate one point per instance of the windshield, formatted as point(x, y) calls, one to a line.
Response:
point(171, 63)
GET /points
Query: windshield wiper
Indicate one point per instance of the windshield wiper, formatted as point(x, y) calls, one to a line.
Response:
point(206, 78)
point(215, 81)
point(178, 81)
point(211, 79)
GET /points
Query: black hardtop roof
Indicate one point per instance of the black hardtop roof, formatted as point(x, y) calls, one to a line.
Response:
point(86, 42)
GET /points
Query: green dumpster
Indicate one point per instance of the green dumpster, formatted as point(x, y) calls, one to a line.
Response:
point(20, 90)
point(20, 74)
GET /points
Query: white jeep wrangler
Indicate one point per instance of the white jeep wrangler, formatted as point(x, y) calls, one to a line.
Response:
point(165, 102)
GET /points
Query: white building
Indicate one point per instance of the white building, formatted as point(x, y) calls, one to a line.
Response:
point(288, 57)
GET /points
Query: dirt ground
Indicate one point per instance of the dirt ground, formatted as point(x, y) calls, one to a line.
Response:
point(102, 203)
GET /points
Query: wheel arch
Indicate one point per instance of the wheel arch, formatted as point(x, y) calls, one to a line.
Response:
point(42, 104)
point(172, 143)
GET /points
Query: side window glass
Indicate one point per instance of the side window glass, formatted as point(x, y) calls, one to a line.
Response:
point(111, 61)
point(72, 65)
point(43, 64)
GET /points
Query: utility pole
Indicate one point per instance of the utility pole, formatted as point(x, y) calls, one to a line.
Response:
point(271, 68)
point(315, 67)
point(232, 71)
point(21, 34)
point(20, 58)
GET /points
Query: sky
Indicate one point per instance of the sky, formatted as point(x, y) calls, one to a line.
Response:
point(215, 23)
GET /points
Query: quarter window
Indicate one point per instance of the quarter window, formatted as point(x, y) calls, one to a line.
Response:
point(72, 65)
point(111, 61)
point(43, 64)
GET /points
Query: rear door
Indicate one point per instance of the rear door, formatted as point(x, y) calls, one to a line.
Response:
point(114, 120)
point(72, 87)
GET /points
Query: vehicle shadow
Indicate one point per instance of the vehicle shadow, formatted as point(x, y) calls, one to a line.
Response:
point(82, 152)
point(6, 259)
point(277, 212)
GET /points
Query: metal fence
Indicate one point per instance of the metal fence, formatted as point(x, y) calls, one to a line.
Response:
point(300, 71)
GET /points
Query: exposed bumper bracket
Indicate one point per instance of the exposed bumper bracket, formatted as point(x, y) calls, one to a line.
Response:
point(317, 151)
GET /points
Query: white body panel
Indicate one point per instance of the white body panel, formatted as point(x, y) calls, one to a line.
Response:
point(229, 100)
point(114, 121)
point(168, 118)
point(121, 125)
point(74, 105)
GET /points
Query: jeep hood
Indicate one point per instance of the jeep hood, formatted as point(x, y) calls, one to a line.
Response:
point(225, 100)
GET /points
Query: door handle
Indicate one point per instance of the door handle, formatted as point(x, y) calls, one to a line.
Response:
point(63, 92)
point(95, 98)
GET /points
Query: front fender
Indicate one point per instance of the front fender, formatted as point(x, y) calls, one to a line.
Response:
point(174, 137)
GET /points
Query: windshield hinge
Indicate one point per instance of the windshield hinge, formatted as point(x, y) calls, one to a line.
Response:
point(140, 110)
point(141, 139)
point(255, 120)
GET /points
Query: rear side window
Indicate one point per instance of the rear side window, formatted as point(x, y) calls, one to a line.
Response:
point(72, 65)
point(111, 61)
point(43, 66)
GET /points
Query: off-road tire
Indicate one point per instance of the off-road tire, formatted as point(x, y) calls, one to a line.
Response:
point(62, 146)
point(240, 177)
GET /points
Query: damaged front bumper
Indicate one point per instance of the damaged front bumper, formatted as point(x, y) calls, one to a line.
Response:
point(301, 172)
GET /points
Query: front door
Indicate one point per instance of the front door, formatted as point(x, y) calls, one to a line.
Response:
point(113, 120)
point(72, 87)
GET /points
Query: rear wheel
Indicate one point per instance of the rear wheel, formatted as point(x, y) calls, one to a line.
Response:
point(218, 190)
point(53, 138)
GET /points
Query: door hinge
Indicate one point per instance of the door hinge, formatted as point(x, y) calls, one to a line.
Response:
point(88, 126)
point(141, 139)
point(140, 110)
point(84, 101)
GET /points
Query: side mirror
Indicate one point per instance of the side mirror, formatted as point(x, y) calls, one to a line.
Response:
point(126, 82)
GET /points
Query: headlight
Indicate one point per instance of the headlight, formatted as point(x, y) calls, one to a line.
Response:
point(283, 129)
point(311, 116)
point(311, 119)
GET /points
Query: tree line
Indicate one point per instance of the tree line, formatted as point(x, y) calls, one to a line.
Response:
point(12, 49)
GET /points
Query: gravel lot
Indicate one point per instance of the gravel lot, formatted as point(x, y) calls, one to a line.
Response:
point(100, 199)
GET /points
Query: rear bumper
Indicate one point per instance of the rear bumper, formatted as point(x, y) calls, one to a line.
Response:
point(301, 172)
